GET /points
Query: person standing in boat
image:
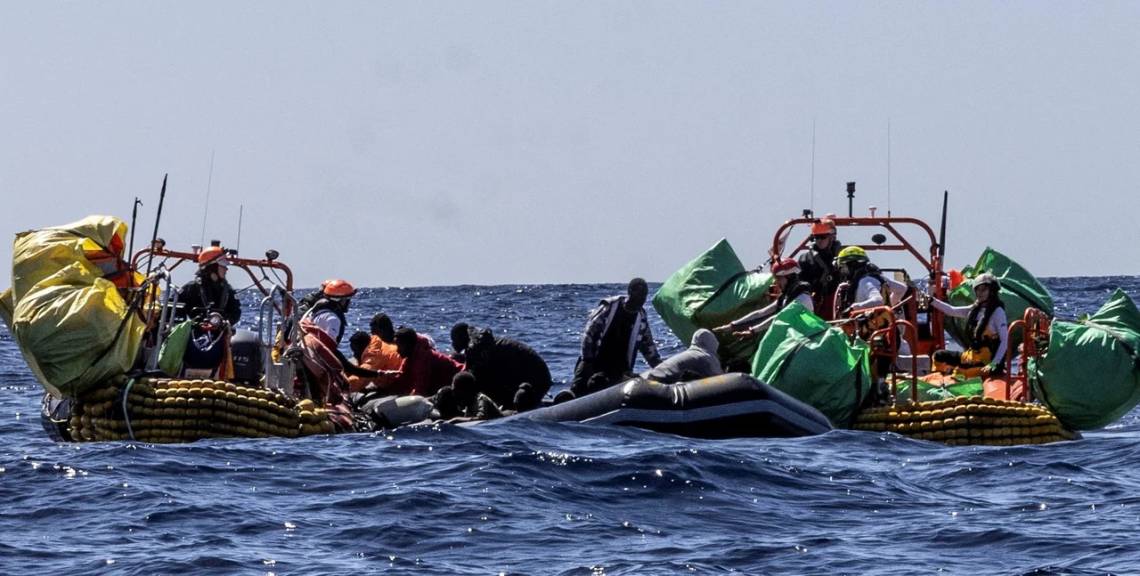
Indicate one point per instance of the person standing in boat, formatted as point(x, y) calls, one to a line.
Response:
point(616, 330)
point(987, 330)
point(792, 289)
point(817, 265)
point(209, 292)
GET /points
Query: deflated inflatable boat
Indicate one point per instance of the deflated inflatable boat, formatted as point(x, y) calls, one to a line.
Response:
point(729, 406)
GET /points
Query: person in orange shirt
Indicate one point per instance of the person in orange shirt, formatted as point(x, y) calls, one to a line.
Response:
point(380, 354)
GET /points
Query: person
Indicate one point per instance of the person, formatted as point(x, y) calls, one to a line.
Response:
point(380, 354)
point(615, 331)
point(424, 370)
point(864, 286)
point(817, 265)
point(463, 402)
point(323, 328)
point(357, 343)
point(209, 292)
point(698, 361)
point(460, 340)
point(987, 330)
point(792, 289)
point(506, 367)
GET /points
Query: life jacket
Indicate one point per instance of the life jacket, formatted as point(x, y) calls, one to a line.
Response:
point(977, 324)
point(791, 294)
point(324, 304)
point(847, 297)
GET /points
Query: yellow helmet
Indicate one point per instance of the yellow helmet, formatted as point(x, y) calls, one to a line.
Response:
point(852, 254)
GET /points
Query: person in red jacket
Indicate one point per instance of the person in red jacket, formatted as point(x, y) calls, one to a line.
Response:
point(424, 372)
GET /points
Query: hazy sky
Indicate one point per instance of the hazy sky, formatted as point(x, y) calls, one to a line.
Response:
point(488, 142)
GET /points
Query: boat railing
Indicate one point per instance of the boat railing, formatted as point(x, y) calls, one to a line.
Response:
point(1034, 326)
point(277, 375)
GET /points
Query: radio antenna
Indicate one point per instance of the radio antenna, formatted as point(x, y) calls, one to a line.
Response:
point(206, 209)
point(241, 208)
point(812, 192)
point(888, 167)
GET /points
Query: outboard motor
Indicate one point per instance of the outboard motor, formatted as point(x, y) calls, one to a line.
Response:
point(246, 350)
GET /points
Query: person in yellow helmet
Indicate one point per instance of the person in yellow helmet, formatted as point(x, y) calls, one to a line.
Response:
point(863, 286)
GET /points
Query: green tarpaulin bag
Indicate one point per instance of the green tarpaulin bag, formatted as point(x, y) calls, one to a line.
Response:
point(174, 348)
point(711, 290)
point(1019, 290)
point(1090, 374)
point(815, 363)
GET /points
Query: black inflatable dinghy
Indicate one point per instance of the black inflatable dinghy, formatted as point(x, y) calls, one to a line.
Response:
point(727, 406)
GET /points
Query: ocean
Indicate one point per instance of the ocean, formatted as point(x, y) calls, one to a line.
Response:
point(531, 498)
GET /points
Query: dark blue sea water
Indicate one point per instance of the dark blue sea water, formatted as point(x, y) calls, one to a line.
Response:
point(563, 499)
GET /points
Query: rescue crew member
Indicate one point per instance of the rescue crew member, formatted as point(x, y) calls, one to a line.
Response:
point(209, 292)
point(616, 329)
point(327, 315)
point(986, 329)
point(792, 289)
point(864, 286)
point(817, 265)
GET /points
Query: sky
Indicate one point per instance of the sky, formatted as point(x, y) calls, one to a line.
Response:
point(434, 143)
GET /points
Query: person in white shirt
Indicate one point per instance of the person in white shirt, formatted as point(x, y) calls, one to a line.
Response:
point(987, 329)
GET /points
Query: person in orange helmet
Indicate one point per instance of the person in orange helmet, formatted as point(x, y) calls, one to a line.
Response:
point(322, 328)
point(209, 293)
point(817, 265)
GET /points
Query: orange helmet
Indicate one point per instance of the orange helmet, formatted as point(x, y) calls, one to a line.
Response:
point(823, 226)
point(212, 255)
point(785, 267)
point(337, 288)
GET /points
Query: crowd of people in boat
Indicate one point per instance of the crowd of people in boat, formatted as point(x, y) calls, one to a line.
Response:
point(485, 376)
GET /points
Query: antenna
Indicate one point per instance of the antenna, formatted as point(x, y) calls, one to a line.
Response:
point(241, 208)
point(888, 167)
point(206, 209)
point(812, 198)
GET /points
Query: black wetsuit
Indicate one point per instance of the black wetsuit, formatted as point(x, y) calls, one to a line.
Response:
point(199, 298)
point(817, 268)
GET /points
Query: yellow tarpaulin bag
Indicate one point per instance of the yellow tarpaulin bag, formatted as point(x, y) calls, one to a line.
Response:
point(64, 309)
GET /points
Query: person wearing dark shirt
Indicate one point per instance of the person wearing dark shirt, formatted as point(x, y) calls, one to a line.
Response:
point(502, 366)
point(460, 340)
point(615, 331)
point(209, 293)
point(817, 266)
